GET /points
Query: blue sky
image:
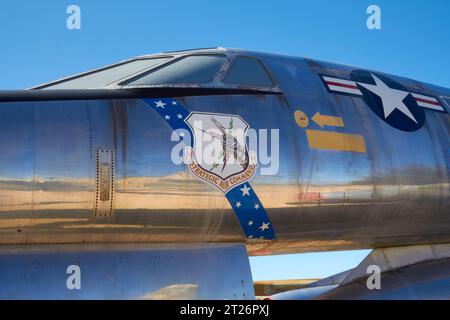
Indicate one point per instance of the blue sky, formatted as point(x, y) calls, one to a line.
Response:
point(413, 42)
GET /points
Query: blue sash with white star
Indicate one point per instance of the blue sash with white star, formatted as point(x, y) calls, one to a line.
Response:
point(242, 198)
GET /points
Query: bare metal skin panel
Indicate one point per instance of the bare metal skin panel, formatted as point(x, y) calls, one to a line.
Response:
point(346, 178)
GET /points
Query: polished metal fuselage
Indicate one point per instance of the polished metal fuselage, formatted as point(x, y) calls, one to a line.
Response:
point(52, 190)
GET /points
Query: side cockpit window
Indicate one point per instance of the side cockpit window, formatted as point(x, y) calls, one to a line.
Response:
point(248, 72)
point(195, 69)
point(104, 76)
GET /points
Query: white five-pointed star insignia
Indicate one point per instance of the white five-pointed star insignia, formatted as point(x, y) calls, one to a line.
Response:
point(250, 222)
point(160, 104)
point(245, 190)
point(257, 206)
point(179, 116)
point(264, 226)
point(391, 98)
point(167, 117)
point(174, 103)
point(238, 204)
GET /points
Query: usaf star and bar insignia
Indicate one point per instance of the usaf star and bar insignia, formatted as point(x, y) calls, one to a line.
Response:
point(388, 99)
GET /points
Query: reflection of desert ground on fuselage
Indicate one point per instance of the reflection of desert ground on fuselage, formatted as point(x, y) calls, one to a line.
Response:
point(70, 201)
point(180, 208)
point(182, 191)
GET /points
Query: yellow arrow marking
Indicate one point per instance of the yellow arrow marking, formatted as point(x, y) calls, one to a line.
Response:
point(322, 120)
point(327, 140)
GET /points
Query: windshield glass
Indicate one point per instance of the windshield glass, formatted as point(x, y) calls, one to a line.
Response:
point(199, 69)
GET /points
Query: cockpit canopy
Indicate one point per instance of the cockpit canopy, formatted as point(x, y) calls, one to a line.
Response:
point(195, 69)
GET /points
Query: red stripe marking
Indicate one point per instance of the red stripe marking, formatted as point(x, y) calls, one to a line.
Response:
point(428, 101)
point(332, 83)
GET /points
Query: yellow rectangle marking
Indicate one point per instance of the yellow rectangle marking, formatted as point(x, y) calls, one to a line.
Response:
point(327, 140)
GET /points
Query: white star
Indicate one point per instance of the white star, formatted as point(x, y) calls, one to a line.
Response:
point(160, 104)
point(391, 98)
point(250, 222)
point(264, 226)
point(238, 204)
point(245, 190)
point(250, 237)
point(179, 116)
point(174, 103)
point(167, 117)
point(257, 206)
